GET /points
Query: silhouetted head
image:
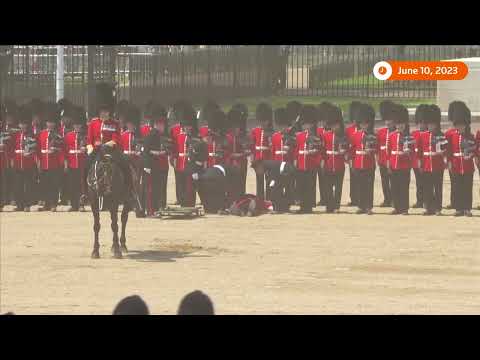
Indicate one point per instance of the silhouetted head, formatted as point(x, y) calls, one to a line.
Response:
point(196, 303)
point(131, 305)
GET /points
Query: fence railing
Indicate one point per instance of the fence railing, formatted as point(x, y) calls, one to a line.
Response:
point(169, 72)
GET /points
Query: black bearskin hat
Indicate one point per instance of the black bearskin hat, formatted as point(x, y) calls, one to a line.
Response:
point(24, 115)
point(105, 97)
point(420, 113)
point(308, 114)
point(52, 113)
point(188, 116)
point(122, 108)
point(281, 117)
point(158, 112)
point(208, 110)
point(386, 109)
point(218, 122)
point(434, 115)
point(243, 109)
point(80, 116)
point(366, 114)
point(334, 116)
point(353, 111)
point(324, 110)
point(460, 107)
point(264, 112)
point(399, 114)
point(236, 119)
point(133, 115)
point(293, 109)
point(461, 115)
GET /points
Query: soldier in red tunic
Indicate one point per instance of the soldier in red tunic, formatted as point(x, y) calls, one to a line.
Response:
point(477, 159)
point(75, 156)
point(216, 139)
point(205, 116)
point(400, 149)
point(238, 147)
point(306, 154)
point(24, 161)
point(432, 151)
point(293, 114)
point(121, 111)
point(66, 112)
point(349, 132)
point(37, 108)
point(364, 146)
point(157, 146)
point(335, 148)
point(324, 110)
point(383, 134)
point(261, 139)
point(10, 127)
point(50, 156)
point(462, 150)
point(416, 160)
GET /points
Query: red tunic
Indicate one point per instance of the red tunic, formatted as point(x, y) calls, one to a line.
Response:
point(280, 151)
point(333, 154)
point(349, 132)
point(128, 145)
point(235, 154)
point(432, 155)
point(50, 158)
point(100, 132)
point(362, 158)
point(21, 159)
point(383, 136)
point(145, 130)
point(180, 152)
point(203, 132)
point(261, 144)
point(307, 159)
point(461, 162)
point(74, 152)
point(215, 155)
point(399, 154)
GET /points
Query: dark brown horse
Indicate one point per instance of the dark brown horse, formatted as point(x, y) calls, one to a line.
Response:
point(106, 183)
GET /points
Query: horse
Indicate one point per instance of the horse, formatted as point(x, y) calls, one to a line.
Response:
point(106, 182)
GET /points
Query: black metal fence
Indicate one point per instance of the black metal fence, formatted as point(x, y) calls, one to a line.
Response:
point(198, 72)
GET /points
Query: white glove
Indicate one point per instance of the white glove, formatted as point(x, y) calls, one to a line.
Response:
point(89, 149)
point(148, 171)
point(195, 176)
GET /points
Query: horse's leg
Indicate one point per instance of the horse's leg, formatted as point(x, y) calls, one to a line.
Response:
point(114, 216)
point(124, 218)
point(96, 228)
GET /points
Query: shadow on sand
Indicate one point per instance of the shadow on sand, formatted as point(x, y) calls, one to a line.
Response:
point(160, 256)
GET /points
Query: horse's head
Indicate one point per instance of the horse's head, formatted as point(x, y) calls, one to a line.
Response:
point(100, 176)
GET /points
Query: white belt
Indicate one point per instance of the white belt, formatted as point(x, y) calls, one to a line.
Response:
point(219, 167)
point(182, 154)
point(383, 147)
point(47, 151)
point(213, 154)
point(22, 152)
point(279, 152)
point(398, 152)
point(330, 152)
point(306, 152)
point(362, 152)
point(155, 152)
point(75, 151)
point(432, 153)
point(460, 154)
point(261, 147)
point(129, 152)
point(282, 166)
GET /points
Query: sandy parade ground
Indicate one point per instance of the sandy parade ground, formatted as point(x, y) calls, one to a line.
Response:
point(273, 264)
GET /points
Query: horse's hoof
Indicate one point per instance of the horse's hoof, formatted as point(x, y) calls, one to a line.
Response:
point(95, 255)
point(124, 249)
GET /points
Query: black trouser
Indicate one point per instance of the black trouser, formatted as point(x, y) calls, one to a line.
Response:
point(433, 190)
point(305, 181)
point(154, 190)
point(9, 186)
point(386, 184)
point(353, 187)
point(178, 189)
point(366, 180)
point(419, 185)
point(463, 186)
point(333, 191)
point(213, 192)
point(243, 178)
point(187, 188)
point(452, 190)
point(24, 187)
point(400, 181)
point(75, 188)
point(263, 193)
point(63, 191)
point(322, 186)
point(281, 194)
point(50, 180)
